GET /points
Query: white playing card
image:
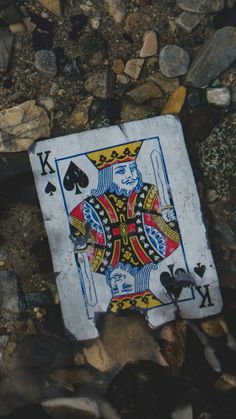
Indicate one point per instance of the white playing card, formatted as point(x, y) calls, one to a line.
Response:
point(124, 224)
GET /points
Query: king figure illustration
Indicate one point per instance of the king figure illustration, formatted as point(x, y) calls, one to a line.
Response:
point(124, 228)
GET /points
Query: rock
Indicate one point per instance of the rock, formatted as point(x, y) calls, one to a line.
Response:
point(201, 6)
point(118, 66)
point(225, 18)
point(166, 84)
point(54, 6)
point(133, 67)
point(72, 407)
point(101, 84)
point(211, 196)
point(95, 22)
point(173, 61)
point(150, 45)
point(132, 21)
point(214, 57)
point(6, 43)
point(44, 353)
point(175, 102)
point(17, 28)
point(38, 299)
point(173, 344)
point(11, 299)
point(225, 383)
point(145, 92)
point(116, 9)
point(21, 125)
point(194, 99)
point(213, 327)
point(217, 155)
point(80, 115)
point(219, 96)
point(96, 356)
point(188, 21)
point(123, 79)
point(129, 339)
point(21, 384)
point(130, 111)
point(46, 102)
point(45, 63)
point(71, 71)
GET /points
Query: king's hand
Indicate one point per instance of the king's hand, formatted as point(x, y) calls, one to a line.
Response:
point(168, 213)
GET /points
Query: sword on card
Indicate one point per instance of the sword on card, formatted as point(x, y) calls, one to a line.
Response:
point(87, 280)
point(160, 179)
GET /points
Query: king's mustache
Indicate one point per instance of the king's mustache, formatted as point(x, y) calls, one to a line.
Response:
point(128, 181)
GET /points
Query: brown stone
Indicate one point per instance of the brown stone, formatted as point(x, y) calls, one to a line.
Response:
point(175, 102)
point(131, 111)
point(79, 116)
point(54, 6)
point(226, 382)
point(21, 125)
point(132, 20)
point(133, 67)
point(214, 327)
point(145, 92)
point(116, 9)
point(96, 356)
point(118, 66)
point(150, 45)
point(165, 83)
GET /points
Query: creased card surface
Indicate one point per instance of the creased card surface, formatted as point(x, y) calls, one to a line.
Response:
point(124, 224)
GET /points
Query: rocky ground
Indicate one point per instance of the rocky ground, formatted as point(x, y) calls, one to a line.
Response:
point(81, 64)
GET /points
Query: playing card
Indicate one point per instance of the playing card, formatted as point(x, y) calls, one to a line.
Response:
point(124, 224)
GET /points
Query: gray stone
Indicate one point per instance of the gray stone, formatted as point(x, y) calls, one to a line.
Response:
point(188, 21)
point(45, 63)
point(11, 298)
point(173, 61)
point(6, 43)
point(101, 84)
point(219, 96)
point(217, 155)
point(194, 99)
point(214, 57)
point(201, 6)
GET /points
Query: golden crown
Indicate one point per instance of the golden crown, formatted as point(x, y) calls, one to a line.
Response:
point(114, 155)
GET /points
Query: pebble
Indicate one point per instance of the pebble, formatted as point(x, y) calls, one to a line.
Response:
point(122, 79)
point(226, 382)
point(214, 57)
point(45, 63)
point(175, 102)
point(80, 115)
point(150, 45)
point(39, 299)
point(173, 61)
point(11, 299)
point(54, 6)
point(194, 99)
point(46, 102)
point(71, 70)
point(132, 21)
point(72, 407)
point(145, 92)
point(188, 21)
point(101, 84)
point(17, 28)
point(219, 96)
point(165, 83)
point(116, 9)
point(201, 6)
point(133, 67)
point(95, 22)
point(118, 66)
point(97, 357)
point(211, 196)
point(217, 155)
point(6, 44)
point(21, 125)
point(213, 327)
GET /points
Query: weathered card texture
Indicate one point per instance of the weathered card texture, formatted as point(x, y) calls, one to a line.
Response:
point(124, 224)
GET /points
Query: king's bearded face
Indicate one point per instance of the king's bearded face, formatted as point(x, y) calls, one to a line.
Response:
point(125, 176)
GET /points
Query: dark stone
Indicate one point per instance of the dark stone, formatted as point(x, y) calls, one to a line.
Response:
point(96, 108)
point(71, 70)
point(41, 40)
point(78, 23)
point(42, 23)
point(12, 301)
point(38, 299)
point(194, 99)
point(201, 121)
point(227, 17)
point(53, 321)
point(94, 43)
point(214, 57)
point(44, 352)
point(61, 58)
point(128, 38)
point(7, 82)
point(9, 12)
point(6, 44)
point(113, 110)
